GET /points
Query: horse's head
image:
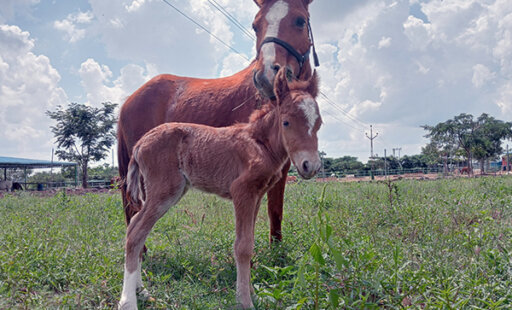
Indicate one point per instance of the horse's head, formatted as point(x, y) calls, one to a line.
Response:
point(283, 41)
point(300, 121)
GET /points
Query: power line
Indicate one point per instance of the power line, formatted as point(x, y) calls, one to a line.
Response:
point(207, 31)
point(231, 18)
point(347, 114)
point(341, 121)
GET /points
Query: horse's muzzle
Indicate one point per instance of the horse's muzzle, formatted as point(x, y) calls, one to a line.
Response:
point(264, 86)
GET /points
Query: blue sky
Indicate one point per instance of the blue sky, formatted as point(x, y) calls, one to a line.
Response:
point(394, 64)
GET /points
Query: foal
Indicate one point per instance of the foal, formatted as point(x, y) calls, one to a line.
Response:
point(239, 162)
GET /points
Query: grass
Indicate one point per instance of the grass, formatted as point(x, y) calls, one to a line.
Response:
point(441, 244)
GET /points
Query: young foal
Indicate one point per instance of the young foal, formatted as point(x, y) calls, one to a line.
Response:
point(241, 162)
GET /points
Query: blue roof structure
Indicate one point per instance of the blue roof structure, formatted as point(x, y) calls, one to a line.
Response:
point(13, 162)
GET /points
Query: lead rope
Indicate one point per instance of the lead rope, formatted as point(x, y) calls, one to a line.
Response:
point(315, 56)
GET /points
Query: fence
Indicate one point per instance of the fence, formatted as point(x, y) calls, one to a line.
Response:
point(383, 172)
point(40, 186)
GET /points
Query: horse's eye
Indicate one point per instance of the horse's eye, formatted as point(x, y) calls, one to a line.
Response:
point(300, 22)
point(255, 28)
point(286, 124)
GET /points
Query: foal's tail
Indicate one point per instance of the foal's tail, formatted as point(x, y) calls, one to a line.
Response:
point(134, 178)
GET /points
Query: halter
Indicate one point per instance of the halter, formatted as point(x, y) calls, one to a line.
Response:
point(301, 58)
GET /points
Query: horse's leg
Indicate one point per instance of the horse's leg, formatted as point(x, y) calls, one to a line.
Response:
point(275, 198)
point(245, 203)
point(158, 201)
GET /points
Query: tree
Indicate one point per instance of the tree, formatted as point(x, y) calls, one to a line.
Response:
point(480, 138)
point(489, 134)
point(83, 133)
point(454, 133)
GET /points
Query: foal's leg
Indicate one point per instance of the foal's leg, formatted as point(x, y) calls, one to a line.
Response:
point(156, 205)
point(275, 198)
point(244, 202)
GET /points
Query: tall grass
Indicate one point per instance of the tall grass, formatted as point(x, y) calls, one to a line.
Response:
point(409, 244)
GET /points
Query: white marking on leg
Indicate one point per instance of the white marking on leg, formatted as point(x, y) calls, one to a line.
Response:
point(128, 296)
point(308, 106)
point(274, 16)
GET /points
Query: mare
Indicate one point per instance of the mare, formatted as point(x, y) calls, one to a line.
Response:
point(283, 41)
point(240, 162)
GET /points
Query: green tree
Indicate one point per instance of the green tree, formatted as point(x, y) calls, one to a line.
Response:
point(489, 134)
point(456, 133)
point(84, 134)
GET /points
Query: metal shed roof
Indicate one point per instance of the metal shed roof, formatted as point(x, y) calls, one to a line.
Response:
point(13, 162)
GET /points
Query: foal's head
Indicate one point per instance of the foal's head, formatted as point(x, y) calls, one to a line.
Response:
point(283, 41)
point(300, 121)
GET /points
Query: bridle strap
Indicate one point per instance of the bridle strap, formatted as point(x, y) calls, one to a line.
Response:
point(301, 58)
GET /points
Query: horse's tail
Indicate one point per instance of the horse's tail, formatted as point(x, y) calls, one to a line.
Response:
point(134, 179)
point(123, 157)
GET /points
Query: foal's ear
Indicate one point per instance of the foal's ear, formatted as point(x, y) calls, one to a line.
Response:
point(259, 3)
point(312, 88)
point(281, 85)
point(307, 2)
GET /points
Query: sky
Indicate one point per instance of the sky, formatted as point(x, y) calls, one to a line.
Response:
point(395, 65)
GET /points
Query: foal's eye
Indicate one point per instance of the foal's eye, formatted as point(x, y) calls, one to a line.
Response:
point(286, 124)
point(300, 22)
point(255, 28)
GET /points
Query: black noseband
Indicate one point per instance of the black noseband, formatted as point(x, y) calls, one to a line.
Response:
point(301, 58)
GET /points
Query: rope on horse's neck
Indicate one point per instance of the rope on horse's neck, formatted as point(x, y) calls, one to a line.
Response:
point(244, 102)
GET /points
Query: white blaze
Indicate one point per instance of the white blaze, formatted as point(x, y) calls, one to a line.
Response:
point(308, 106)
point(274, 16)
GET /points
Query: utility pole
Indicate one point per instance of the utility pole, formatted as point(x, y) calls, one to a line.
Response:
point(385, 164)
point(371, 137)
point(398, 149)
point(508, 162)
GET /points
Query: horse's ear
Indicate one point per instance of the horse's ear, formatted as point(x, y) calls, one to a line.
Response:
point(259, 3)
point(281, 85)
point(313, 85)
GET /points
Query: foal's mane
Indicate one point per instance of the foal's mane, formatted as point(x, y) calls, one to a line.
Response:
point(310, 87)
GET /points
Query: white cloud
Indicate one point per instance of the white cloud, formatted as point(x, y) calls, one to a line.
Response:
point(481, 75)
point(153, 32)
point(135, 5)
point(99, 86)
point(399, 71)
point(384, 42)
point(418, 33)
point(29, 87)
point(10, 8)
point(70, 25)
point(232, 63)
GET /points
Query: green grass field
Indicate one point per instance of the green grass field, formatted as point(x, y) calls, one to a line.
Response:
point(408, 244)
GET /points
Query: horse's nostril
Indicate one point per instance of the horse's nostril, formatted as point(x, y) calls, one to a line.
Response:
point(305, 166)
point(276, 68)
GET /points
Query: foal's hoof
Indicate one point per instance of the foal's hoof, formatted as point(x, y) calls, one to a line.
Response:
point(143, 294)
point(127, 306)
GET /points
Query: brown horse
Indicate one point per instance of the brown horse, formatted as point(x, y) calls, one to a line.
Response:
point(283, 40)
point(240, 162)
